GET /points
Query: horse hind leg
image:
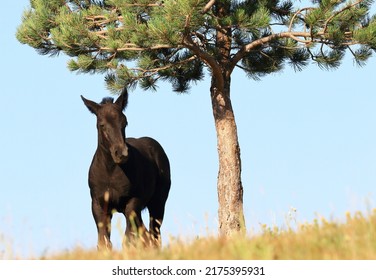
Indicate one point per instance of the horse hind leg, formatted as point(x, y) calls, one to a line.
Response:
point(156, 209)
point(155, 231)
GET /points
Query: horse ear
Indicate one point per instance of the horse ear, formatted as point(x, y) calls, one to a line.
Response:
point(91, 105)
point(122, 100)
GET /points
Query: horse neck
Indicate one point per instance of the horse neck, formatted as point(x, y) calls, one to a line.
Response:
point(103, 156)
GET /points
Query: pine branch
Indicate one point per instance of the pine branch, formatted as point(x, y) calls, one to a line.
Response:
point(133, 47)
point(339, 12)
point(295, 15)
point(154, 71)
point(206, 57)
point(208, 6)
point(265, 40)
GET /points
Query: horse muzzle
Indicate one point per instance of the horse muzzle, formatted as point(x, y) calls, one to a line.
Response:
point(120, 155)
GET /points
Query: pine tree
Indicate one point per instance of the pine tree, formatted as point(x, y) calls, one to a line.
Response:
point(142, 42)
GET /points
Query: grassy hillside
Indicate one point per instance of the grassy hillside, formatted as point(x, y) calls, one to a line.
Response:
point(355, 238)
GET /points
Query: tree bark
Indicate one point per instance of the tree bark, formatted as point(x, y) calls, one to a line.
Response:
point(229, 185)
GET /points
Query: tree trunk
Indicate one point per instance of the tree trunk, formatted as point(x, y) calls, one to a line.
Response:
point(229, 185)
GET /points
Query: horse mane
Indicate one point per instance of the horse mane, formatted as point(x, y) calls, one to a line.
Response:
point(110, 100)
point(107, 100)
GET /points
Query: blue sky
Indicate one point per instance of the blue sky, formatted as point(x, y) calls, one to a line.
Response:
point(307, 142)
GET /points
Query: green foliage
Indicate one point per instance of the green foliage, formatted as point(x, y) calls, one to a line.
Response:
point(139, 42)
point(367, 34)
point(340, 26)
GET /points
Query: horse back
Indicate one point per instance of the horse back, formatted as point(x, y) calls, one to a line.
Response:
point(151, 150)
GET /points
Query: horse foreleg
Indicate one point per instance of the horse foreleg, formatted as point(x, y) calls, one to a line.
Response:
point(103, 222)
point(135, 229)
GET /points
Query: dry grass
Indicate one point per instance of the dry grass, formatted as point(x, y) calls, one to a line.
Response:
point(353, 239)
